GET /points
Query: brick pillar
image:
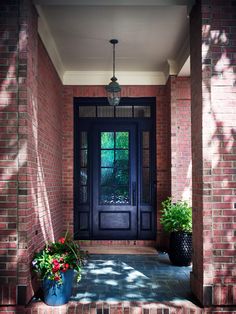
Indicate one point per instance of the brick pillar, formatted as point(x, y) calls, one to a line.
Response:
point(9, 142)
point(213, 49)
point(181, 164)
point(18, 91)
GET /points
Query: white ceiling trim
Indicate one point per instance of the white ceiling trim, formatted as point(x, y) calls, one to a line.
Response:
point(184, 53)
point(103, 78)
point(49, 43)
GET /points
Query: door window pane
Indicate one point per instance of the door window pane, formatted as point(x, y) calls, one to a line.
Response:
point(142, 112)
point(122, 195)
point(107, 195)
point(87, 111)
point(114, 168)
point(122, 139)
point(122, 158)
point(107, 140)
point(145, 139)
point(83, 158)
point(83, 140)
point(83, 194)
point(107, 158)
point(107, 176)
point(145, 157)
point(105, 111)
point(83, 176)
point(145, 182)
point(122, 177)
point(124, 111)
point(146, 185)
point(83, 170)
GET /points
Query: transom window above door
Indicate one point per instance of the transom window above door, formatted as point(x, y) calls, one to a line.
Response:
point(114, 112)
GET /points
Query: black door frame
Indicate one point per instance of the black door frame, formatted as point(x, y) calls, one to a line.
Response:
point(86, 124)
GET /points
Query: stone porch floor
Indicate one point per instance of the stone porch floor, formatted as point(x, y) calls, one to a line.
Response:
point(127, 284)
point(142, 278)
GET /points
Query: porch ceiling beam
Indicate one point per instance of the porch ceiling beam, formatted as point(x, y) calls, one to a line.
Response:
point(188, 3)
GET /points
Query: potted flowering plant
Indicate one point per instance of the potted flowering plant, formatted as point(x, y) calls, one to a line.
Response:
point(56, 264)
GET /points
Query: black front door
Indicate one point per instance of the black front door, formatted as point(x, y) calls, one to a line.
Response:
point(114, 182)
point(114, 169)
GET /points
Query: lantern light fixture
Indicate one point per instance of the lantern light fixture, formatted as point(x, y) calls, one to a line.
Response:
point(113, 89)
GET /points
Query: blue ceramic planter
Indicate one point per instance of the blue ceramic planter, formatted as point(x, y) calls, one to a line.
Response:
point(58, 294)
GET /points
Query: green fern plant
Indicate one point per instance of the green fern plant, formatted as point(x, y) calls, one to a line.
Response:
point(176, 216)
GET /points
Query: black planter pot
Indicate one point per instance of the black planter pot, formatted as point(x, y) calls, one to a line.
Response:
point(180, 249)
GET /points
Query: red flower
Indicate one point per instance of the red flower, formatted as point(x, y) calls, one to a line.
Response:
point(56, 278)
point(55, 262)
point(56, 268)
point(65, 267)
point(61, 240)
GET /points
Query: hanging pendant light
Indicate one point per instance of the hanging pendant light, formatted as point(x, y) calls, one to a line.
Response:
point(113, 89)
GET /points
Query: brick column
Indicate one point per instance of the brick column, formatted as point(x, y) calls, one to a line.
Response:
point(213, 49)
point(181, 159)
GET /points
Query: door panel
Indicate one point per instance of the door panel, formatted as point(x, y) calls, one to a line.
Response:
point(114, 182)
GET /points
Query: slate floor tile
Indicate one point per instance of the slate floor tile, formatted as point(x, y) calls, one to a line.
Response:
point(149, 278)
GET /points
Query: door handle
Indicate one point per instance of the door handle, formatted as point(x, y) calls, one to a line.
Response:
point(134, 193)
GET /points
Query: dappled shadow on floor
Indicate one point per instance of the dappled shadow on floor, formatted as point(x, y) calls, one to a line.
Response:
point(145, 278)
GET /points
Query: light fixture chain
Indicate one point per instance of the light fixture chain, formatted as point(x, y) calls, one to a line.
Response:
point(114, 60)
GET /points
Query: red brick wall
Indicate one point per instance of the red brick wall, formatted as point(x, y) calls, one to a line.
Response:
point(213, 40)
point(163, 139)
point(181, 159)
point(11, 31)
point(30, 149)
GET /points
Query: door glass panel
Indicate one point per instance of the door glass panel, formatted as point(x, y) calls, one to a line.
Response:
point(107, 176)
point(107, 158)
point(83, 168)
point(122, 195)
point(145, 139)
point(145, 157)
point(107, 195)
point(87, 111)
point(114, 168)
point(83, 140)
point(124, 111)
point(83, 176)
point(122, 140)
point(142, 111)
point(122, 177)
point(105, 111)
point(83, 194)
point(145, 182)
point(146, 185)
point(83, 158)
point(107, 140)
point(122, 158)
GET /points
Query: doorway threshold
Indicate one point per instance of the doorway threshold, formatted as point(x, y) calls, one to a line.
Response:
point(120, 250)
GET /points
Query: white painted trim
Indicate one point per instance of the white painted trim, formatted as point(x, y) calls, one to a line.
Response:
point(49, 43)
point(103, 78)
point(184, 53)
point(173, 67)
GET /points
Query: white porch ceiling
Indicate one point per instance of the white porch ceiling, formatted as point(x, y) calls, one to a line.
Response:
point(153, 39)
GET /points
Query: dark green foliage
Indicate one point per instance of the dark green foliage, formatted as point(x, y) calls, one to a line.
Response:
point(176, 216)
